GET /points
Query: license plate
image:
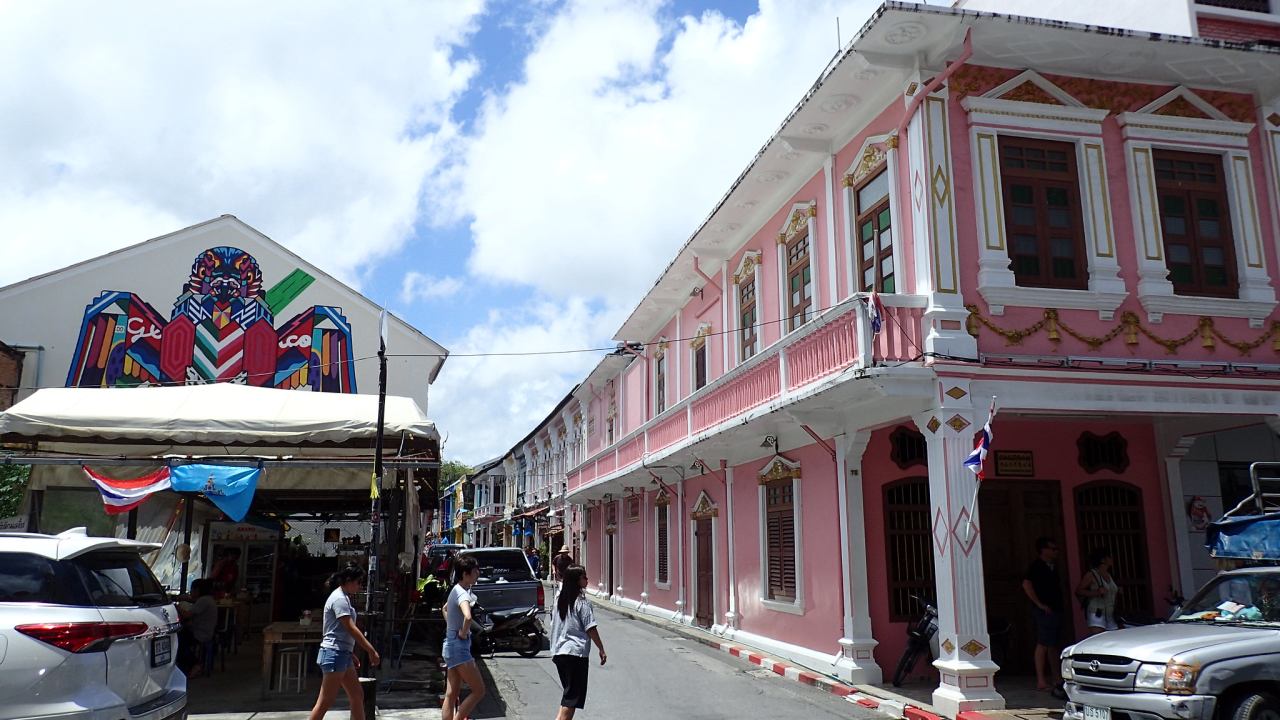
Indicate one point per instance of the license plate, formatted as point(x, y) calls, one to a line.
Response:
point(161, 651)
point(1096, 713)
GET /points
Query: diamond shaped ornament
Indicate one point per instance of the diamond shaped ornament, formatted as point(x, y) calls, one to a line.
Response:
point(943, 537)
point(948, 646)
point(965, 534)
point(958, 423)
point(956, 393)
point(933, 425)
point(973, 648)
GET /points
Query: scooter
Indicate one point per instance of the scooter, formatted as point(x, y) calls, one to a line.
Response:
point(517, 629)
point(920, 636)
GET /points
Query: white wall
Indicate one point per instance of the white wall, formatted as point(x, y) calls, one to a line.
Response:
point(47, 311)
point(1172, 17)
point(1200, 477)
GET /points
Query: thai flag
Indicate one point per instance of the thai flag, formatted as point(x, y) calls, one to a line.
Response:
point(121, 496)
point(982, 446)
point(875, 309)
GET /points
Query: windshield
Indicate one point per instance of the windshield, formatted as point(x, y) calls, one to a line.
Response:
point(1246, 597)
point(505, 566)
point(117, 579)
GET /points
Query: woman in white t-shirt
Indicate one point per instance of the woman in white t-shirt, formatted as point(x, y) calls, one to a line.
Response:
point(336, 659)
point(461, 666)
point(573, 629)
point(1098, 590)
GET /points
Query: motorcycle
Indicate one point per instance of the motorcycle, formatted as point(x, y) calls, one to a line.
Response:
point(920, 635)
point(517, 629)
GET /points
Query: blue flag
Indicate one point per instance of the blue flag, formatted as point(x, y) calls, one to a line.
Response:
point(230, 488)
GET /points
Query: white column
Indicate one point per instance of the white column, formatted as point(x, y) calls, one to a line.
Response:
point(966, 671)
point(680, 610)
point(731, 617)
point(857, 662)
point(1172, 450)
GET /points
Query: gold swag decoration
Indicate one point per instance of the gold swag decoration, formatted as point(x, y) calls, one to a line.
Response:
point(1129, 325)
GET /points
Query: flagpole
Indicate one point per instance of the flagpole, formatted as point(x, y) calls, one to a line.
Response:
point(375, 492)
point(977, 480)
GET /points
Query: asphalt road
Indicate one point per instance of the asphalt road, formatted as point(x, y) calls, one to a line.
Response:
point(655, 674)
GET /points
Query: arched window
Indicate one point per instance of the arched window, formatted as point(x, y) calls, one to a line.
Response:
point(908, 542)
point(1109, 514)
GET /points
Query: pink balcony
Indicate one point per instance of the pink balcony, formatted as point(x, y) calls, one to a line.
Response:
point(830, 349)
point(574, 479)
point(755, 386)
point(607, 463)
point(669, 430)
point(902, 334)
point(631, 451)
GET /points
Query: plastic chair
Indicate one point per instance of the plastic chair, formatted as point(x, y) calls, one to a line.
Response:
point(293, 668)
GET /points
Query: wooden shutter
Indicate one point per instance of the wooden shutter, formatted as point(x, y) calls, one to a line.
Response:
point(1109, 514)
point(663, 559)
point(780, 540)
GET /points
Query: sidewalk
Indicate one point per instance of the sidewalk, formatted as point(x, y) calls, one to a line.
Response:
point(870, 696)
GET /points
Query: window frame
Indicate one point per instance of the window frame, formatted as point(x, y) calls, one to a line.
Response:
point(800, 225)
point(792, 472)
point(990, 117)
point(858, 262)
point(796, 269)
point(661, 555)
point(659, 382)
point(1040, 180)
point(698, 365)
point(742, 345)
point(1191, 194)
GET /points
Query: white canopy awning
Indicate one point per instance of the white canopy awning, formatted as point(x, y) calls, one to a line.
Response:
point(217, 415)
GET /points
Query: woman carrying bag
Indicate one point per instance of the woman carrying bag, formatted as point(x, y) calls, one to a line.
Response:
point(573, 629)
point(1097, 591)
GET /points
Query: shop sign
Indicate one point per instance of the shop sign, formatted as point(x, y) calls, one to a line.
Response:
point(17, 522)
point(1015, 463)
point(241, 532)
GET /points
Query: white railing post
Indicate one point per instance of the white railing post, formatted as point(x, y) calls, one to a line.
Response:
point(782, 369)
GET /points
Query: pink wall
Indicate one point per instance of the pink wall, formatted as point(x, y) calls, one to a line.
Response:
point(633, 405)
point(695, 312)
point(1124, 97)
point(1056, 458)
point(822, 624)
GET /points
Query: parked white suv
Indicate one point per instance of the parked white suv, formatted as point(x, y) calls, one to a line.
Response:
point(86, 631)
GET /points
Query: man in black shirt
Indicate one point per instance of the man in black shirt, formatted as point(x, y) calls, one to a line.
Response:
point(1044, 588)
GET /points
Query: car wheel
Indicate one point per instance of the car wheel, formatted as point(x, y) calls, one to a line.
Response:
point(1257, 706)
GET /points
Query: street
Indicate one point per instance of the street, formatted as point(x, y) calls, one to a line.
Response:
point(652, 673)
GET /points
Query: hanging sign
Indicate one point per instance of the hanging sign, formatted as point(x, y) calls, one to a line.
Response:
point(1015, 463)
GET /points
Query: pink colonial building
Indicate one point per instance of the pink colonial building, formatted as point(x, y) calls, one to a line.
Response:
point(1079, 221)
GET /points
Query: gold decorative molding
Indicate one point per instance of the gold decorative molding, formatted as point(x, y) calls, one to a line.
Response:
point(779, 469)
point(973, 648)
point(660, 349)
point(892, 142)
point(610, 529)
point(577, 417)
point(747, 267)
point(958, 423)
point(1030, 92)
point(704, 508)
point(798, 223)
point(661, 499)
point(956, 393)
point(933, 424)
point(700, 339)
point(872, 158)
point(1130, 326)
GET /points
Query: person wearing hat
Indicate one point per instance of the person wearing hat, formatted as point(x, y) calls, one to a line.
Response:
point(560, 563)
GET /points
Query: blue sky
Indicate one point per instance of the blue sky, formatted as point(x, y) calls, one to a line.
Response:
point(504, 174)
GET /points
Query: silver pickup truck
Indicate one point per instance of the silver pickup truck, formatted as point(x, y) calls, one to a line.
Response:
point(1217, 658)
point(509, 600)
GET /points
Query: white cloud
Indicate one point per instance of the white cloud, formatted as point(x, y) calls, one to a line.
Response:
point(317, 122)
point(417, 286)
point(587, 175)
point(486, 404)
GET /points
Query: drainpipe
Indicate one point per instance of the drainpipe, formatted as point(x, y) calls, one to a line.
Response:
point(935, 83)
point(680, 522)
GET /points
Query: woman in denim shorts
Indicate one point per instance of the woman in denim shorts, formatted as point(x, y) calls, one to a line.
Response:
point(457, 644)
point(340, 638)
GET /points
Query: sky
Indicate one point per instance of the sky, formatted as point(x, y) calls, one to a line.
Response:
point(506, 175)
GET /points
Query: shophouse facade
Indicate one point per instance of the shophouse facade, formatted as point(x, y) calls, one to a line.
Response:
point(489, 484)
point(1076, 222)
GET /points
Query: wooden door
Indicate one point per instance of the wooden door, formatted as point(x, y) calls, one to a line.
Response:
point(1014, 514)
point(1109, 514)
point(609, 590)
point(704, 612)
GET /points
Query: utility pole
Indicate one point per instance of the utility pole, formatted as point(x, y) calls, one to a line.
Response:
point(375, 490)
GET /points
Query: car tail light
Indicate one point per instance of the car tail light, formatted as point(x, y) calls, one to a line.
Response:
point(82, 637)
point(542, 595)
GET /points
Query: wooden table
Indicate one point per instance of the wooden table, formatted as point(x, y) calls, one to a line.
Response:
point(285, 633)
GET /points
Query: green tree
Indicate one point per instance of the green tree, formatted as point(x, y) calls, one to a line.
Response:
point(13, 485)
point(451, 470)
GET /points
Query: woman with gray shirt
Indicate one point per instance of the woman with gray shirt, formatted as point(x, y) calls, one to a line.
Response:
point(573, 629)
point(341, 636)
point(461, 667)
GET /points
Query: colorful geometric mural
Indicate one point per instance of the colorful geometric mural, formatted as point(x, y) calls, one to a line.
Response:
point(221, 330)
